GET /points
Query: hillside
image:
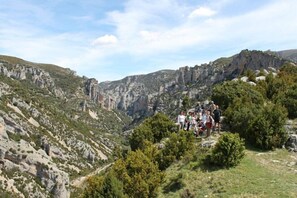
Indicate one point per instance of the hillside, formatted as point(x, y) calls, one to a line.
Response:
point(260, 174)
point(51, 130)
point(57, 127)
point(143, 95)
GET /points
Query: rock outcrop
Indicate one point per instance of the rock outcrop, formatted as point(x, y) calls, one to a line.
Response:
point(46, 134)
point(142, 95)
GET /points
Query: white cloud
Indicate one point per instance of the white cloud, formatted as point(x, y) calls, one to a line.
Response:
point(202, 12)
point(105, 40)
point(149, 35)
point(162, 32)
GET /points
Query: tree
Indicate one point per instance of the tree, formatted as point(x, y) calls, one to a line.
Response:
point(178, 145)
point(229, 150)
point(141, 134)
point(289, 100)
point(153, 129)
point(93, 187)
point(186, 103)
point(112, 187)
point(225, 94)
point(140, 176)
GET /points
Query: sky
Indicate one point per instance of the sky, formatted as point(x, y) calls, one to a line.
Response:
point(111, 39)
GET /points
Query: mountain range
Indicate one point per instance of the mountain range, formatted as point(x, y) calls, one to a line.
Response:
point(56, 126)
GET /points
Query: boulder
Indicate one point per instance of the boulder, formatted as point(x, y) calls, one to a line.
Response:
point(291, 143)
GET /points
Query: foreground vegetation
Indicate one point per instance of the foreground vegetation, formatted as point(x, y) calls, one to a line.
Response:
point(165, 162)
point(260, 174)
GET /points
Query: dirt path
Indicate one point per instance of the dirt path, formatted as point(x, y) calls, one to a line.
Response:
point(79, 181)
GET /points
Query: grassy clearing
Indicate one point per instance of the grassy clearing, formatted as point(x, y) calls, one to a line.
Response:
point(268, 174)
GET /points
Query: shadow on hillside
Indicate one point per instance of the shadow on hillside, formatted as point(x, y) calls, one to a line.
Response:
point(176, 183)
point(207, 167)
point(255, 149)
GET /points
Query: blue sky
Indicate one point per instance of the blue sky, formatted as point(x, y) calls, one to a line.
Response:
point(111, 39)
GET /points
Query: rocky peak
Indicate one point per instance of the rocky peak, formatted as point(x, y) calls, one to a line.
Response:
point(143, 94)
point(253, 60)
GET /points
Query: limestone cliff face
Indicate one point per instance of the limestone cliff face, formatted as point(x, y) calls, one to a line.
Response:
point(51, 128)
point(143, 94)
point(254, 60)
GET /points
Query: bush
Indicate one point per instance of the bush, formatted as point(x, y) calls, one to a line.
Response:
point(177, 147)
point(139, 175)
point(141, 134)
point(267, 129)
point(161, 126)
point(107, 187)
point(225, 94)
point(260, 126)
point(112, 187)
point(289, 100)
point(153, 129)
point(229, 150)
point(93, 187)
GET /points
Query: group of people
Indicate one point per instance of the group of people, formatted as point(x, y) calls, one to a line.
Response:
point(203, 119)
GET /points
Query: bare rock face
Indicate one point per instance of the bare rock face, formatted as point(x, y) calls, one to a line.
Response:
point(291, 143)
point(253, 60)
point(38, 76)
point(144, 94)
point(92, 89)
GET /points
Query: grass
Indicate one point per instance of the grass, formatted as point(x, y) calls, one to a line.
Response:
point(268, 174)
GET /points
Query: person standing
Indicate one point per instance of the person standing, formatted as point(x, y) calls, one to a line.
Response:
point(217, 113)
point(181, 120)
point(209, 122)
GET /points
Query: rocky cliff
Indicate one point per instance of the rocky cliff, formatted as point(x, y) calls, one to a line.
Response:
point(142, 95)
point(52, 129)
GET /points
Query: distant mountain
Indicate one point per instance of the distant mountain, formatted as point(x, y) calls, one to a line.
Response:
point(52, 128)
point(143, 95)
point(288, 54)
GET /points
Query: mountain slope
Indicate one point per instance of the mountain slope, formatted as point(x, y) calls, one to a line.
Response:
point(143, 95)
point(51, 131)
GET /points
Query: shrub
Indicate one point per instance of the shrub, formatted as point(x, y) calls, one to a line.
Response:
point(178, 146)
point(260, 126)
point(93, 187)
point(140, 176)
point(289, 100)
point(161, 126)
point(153, 129)
point(229, 150)
point(267, 129)
point(107, 187)
point(225, 94)
point(141, 134)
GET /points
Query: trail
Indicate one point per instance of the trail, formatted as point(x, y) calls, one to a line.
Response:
point(79, 181)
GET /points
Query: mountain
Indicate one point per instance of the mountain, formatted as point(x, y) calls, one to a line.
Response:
point(52, 130)
point(56, 126)
point(288, 54)
point(143, 95)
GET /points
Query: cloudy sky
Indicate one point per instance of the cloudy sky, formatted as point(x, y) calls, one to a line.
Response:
point(110, 39)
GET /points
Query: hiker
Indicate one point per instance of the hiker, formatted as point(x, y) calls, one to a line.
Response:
point(202, 122)
point(188, 121)
point(211, 107)
point(209, 123)
point(217, 113)
point(181, 119)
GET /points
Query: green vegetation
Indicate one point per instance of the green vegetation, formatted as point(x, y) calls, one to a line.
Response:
point(224, 94)
point(104, 187)
point(229, 151)
point(152, 129)
point(259, 174)
point(186, 103)
point(258, 113)
point(179, 145)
